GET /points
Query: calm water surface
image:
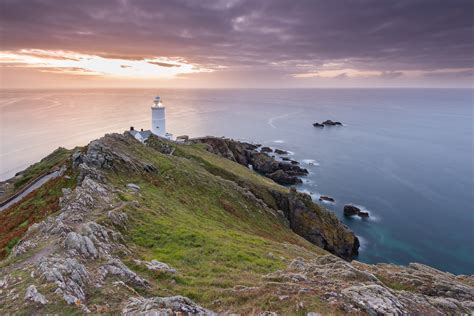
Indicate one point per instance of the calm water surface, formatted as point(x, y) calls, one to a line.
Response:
point(404, 155)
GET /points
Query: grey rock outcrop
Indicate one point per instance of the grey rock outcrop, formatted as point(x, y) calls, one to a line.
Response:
point(33, 295)
point(163, 306)
point(156, 265)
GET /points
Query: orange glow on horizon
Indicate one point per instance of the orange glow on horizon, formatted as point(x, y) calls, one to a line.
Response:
point(68, 62)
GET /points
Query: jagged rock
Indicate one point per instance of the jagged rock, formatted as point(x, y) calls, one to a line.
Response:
point(173, 305)
point(326, 198)
point(245, 154)
point(282, 177)
point(266, 150)
point(156, 265)
point(33, 295)
point(133, 186)
point(281, 152)
point(118, 218)
point(351, 210)
point(118, 268)
point(316, 224)
point(81, 244)
point(375, 299)
point(318, 125)
point(331, 123)
point(68, 274)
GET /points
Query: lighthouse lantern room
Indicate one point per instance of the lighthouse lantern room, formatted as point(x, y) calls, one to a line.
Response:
point(158, 118)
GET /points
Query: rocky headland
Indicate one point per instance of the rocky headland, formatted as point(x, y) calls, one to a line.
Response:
point(188, 228)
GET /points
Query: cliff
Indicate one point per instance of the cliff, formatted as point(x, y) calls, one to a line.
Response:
point(164, 227)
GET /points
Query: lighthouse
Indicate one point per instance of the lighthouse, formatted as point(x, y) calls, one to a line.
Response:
point(158, 118)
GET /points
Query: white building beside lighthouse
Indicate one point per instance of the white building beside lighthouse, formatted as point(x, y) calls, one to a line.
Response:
point(158, 118)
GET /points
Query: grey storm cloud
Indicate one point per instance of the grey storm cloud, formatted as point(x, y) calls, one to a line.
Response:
point(370, 34)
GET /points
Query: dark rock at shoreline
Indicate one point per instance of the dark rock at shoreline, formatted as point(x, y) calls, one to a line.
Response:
point(294, 162)
point(351, 210)
point(266, 150)
point(318, 124)
point(326, 198)
point(283, 177)
point(281, 152)
point(285, 159)
point(316, 224)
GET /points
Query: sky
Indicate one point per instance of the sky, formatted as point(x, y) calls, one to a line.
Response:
point(236, 43)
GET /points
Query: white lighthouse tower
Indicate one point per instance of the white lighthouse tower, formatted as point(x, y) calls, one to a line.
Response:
point(158, 118)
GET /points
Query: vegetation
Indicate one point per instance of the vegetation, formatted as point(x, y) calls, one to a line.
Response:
point(34, 208)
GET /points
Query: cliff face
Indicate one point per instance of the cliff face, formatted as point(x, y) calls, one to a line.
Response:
point(164, 228)
point(310, 221)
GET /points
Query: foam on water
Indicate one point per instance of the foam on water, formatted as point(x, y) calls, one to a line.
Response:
point(310, 162)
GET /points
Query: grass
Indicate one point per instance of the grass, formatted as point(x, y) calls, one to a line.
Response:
point(196, 220)
point(192, 215)
point(35, 207)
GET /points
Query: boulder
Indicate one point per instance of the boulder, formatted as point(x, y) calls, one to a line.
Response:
point(133, 186)
point(33, 295)
point(266, 150)
point(283, 177)
point(318, 124)
point(281, 152)
point(326, 198)
point(351, 210)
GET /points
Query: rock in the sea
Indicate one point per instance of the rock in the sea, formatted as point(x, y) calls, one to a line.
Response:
point(318, 124)
point(33, 295)
point(281, 152)
point(331, 123)
point(266, 150)
point(351, 210)
point(326, 198)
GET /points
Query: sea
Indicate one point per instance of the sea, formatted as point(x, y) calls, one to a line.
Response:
point(404, 155)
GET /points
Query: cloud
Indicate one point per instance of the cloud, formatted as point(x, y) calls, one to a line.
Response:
point(371, 36)
point(161, 64)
